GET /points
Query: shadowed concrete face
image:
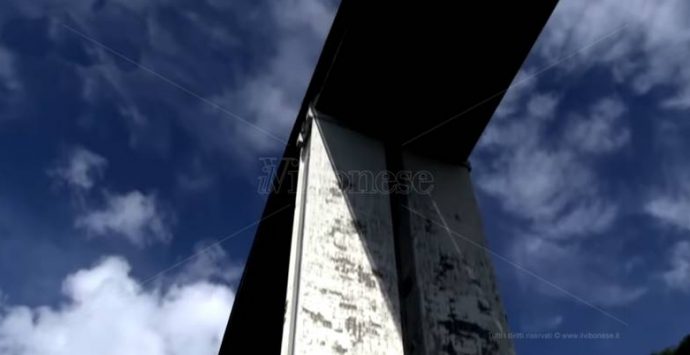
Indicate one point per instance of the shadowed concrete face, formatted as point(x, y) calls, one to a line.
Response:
point(452, 297)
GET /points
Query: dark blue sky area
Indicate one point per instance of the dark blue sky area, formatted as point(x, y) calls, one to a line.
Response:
point(135, 129)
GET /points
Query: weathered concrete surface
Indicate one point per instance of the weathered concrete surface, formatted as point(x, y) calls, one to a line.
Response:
point(342, 296)
point(343, 281)
point(452, 279)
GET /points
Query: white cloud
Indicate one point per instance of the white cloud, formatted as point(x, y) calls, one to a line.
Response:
point(582, 273)
point(602, 131)
point(523, 84)
point(647, 51)
point(80, 168)
point(271, 98)
point(135, 216)
point(210, 262)
point(678, 277)
point(279, 41)
point(647, 56)
point(316, 15)
point(546, 179)
point(542, 105)
point(108, 312)
point(590, 215)
point(670, 204)
point(673, 210)
point(534, 183)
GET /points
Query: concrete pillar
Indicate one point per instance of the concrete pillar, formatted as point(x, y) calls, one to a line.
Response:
point(378, 273)
point(343, 286)
point(449, 292)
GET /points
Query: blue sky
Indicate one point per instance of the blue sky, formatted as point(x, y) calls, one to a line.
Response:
point(110, 173)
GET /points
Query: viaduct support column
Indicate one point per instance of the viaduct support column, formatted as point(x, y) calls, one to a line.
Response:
point(448, 289)
point(342, 287)
point(387, 253)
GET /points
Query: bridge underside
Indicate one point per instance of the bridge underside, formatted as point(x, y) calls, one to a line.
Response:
point(422, 81)
point(400, 69)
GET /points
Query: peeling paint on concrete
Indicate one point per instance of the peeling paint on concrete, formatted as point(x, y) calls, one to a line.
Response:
point(460, 309)
point(344, 290)
point(347, 301)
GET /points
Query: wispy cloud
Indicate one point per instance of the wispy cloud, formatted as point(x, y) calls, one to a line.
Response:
point(602, 130)
point(211, 263)
point(79, 169)
point(673, 210)
point(546, 179)
point(261, 84)
point(583, 271)
point(135, 216)
point(539, 157)
point(647, 60)
point(668, 201)
point(536, 161)
point(650, 52)
point(678, 276)
point(272, 96)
